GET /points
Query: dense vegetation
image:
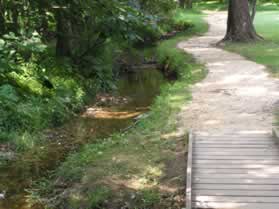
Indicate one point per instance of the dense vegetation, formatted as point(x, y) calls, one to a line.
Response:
point(109, 174)
point(54, 54)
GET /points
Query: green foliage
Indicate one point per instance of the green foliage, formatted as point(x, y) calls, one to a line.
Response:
point(148, 199)
point(40, 90)
point(115, 159)
point(94, 198)
point(97, 197)
point(157, 6)
point(173, 60)
point(26, 103)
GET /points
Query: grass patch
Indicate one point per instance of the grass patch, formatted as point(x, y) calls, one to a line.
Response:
point(143, 168)
point(217, 5)
point(211, 5)
point(263, 52)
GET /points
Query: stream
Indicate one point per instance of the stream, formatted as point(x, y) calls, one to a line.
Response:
point(111, 113)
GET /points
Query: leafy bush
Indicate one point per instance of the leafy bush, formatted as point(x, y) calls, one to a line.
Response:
point(35, 91)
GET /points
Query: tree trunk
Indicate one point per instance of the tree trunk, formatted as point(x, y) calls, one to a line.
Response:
point(43, 27)
point(253, 9)
point(63, 26)
point(15, 26)
point(240, 27)
point(182, 4)
point(2, 18)
point(189, 4)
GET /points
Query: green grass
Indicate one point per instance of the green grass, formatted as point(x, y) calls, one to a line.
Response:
point(215, 5)
point(193, 17)
point(143, 168)
point(210, 5)
point(263, 52)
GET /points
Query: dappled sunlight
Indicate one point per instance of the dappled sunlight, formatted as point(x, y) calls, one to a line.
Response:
point(216, 64)
point(167, 188)
point(136, 183)
point(170, 136)
point(108, 113)
point(177, 98)
point(212, 122)
point(235, 92)
point(269, 4)
point(148, 178)
point(203, 203)
point(253, 91)
point(235, 170)
point(252, 132)
point(267, 172)
point(237, 78)
point(235, 160)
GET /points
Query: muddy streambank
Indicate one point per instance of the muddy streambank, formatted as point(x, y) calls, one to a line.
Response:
point(110, 113)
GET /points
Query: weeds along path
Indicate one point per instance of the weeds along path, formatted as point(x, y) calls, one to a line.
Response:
point(237, 96)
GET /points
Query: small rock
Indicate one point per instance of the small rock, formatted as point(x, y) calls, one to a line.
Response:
point(2, 195)
point(133, 196)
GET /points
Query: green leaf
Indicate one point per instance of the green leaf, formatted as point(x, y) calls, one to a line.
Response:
point(8, 93)
point(2, 44)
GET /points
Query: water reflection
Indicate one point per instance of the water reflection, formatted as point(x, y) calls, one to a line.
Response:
point(109, 114)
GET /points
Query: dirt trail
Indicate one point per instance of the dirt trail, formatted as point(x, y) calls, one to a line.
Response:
point(238, 96)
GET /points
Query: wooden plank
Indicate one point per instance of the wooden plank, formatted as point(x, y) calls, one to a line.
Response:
point(236, 170)
point(213, 149)
point(255, 142)
point(227, 136)
point(189, 172)
point(236, 152)
point(235, 199)
point(233, 146)
point(231, 138)
point(241, 187)
point(236, 192)
point(235, 157)
point(234, 166)
point(239, 176)
point(236, 162)
point(222, 138)
point(229, 205)
point(257, 181)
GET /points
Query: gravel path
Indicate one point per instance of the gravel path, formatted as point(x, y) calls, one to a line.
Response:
point(238, 96)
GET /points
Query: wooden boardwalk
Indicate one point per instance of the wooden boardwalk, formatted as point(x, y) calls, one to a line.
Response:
point(233, 172)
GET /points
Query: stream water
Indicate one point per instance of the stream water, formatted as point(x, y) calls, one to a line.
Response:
point(112, 112)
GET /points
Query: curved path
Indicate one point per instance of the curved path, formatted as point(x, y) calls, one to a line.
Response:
point(237, 96)
point(233, 162)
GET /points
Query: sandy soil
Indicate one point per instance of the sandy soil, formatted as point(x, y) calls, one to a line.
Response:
point(238, 96)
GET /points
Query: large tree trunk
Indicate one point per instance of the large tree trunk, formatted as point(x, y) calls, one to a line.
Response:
point(63, 26)
point(15, 14)
point(189, 4)
point(2, 18)
point(182, 4)
point(240, 27)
